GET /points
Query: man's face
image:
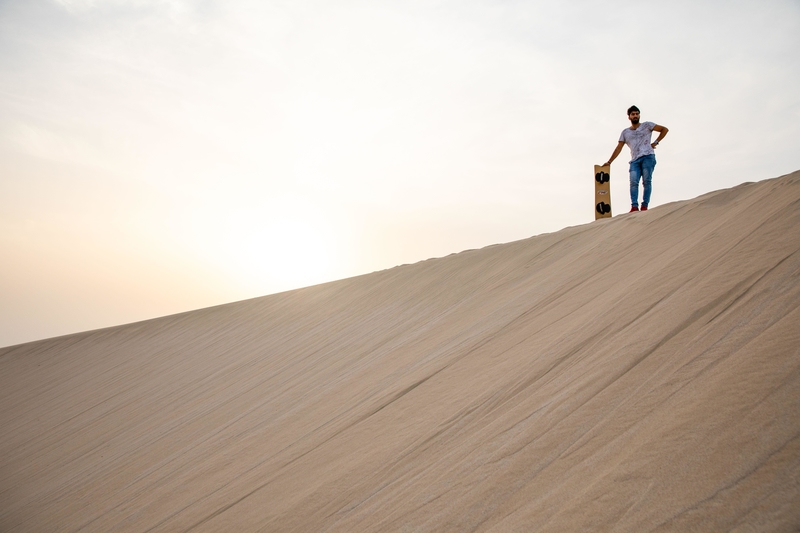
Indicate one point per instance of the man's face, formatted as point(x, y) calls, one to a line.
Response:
point(634, 117)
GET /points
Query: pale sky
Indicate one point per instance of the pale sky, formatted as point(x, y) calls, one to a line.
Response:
point(162, 156)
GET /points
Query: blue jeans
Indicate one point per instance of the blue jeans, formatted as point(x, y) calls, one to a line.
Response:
point(642, 168)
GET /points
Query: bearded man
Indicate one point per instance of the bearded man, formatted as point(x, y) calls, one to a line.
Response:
point(643, 157)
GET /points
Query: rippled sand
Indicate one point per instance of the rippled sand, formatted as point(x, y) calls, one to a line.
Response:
point(640, 373)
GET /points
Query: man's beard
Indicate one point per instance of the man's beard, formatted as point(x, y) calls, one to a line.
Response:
point(634, 121)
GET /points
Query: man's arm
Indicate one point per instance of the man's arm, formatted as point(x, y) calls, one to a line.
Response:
point(617, 150)
point(662, 132)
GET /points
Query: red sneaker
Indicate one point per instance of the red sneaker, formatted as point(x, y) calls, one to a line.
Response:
point(633, 208)
point(644, 207)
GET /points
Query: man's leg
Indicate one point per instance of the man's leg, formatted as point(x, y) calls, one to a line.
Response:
point(648, 164)
point(636, 174)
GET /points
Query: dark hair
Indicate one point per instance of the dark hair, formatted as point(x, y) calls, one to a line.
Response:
point(633, 108)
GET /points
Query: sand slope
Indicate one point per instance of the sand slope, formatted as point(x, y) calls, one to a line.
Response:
point(640, 373)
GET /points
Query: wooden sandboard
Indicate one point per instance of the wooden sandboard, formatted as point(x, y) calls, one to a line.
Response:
point(602, 192)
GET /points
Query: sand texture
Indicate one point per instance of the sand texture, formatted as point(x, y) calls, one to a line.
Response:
point(639, 373)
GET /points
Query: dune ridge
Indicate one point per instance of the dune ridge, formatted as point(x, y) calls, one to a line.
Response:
point(639, 373)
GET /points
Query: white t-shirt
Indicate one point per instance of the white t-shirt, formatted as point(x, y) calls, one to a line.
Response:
point(638, 140)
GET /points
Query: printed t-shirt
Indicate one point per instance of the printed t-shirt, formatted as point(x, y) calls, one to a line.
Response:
point(638, 140)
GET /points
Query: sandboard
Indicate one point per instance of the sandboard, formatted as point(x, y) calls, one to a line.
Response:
point(602, 192)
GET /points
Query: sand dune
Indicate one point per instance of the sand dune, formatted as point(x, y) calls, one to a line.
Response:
point(640, 373)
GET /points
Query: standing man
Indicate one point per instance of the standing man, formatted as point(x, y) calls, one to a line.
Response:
point(643, 158)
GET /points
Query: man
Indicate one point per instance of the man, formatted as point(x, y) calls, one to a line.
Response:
point(643, 158)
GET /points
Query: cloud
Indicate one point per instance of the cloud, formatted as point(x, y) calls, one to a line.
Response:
point(164, 6)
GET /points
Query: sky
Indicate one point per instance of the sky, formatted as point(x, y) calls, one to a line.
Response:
point(163, 156)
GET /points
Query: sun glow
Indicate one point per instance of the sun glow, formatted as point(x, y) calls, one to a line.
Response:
point(280, 245)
